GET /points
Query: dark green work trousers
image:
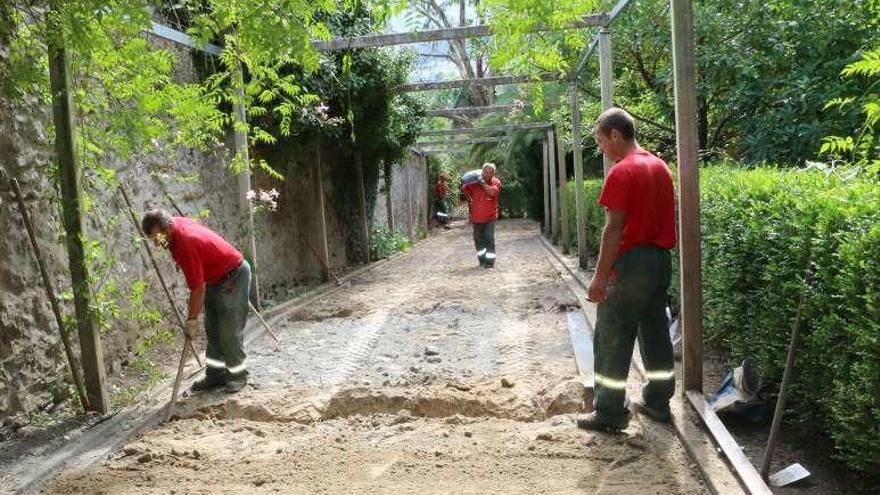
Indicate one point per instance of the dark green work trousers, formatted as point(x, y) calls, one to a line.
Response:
point(635, 308)
point(484, 242)
point(226, 311)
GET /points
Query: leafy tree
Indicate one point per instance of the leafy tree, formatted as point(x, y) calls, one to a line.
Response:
point(863, 146)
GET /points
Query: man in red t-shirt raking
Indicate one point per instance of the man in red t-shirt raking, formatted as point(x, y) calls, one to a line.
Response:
point(219, 281)
point(483, 206)
point(632, 277)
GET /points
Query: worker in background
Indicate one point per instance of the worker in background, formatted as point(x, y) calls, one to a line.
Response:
point(482, 196)
point(632, 277)
point(441, 192)
point(219, 282)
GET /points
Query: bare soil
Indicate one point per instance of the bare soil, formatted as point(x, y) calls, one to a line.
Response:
point(428, 374)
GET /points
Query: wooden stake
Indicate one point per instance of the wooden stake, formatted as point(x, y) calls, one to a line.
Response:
point(689, 193)
point(322, 218)
point(389, 205)
point(546, 187)
point(579, 194)
point(563, 194)
point(362, 204)
point(554, 196)
point(71, 201)
point(146, 245)
point(53, 301)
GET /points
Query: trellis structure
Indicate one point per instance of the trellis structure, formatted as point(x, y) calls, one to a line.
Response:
point(553, 170)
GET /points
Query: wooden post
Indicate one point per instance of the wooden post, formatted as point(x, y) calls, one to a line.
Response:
point(689, 192)
point(409, 205)
point(362, 204)
point(606, 77)
point(546, 186)
point(563, 194)
point(388, 172)
point(579, 194)
point(322, 219)
point(71, 204)
point(53, 301)
point(242, 155)
point(554, 197)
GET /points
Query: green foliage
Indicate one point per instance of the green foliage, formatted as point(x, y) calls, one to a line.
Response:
point(765, 69)
point(862, 148)
point(758, 227)
point(385, 243)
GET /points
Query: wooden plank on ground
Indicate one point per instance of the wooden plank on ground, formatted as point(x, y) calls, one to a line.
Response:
point(741, 464)
point(581, 334)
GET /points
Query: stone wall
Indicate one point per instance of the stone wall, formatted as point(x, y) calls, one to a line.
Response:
point(32, 365)
point(409, 198)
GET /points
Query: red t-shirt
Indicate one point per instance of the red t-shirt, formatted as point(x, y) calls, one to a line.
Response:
point(483, 207)
point(202, 255)
point(641, 185)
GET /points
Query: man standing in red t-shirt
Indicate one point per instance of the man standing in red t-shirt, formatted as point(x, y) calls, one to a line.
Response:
point(219, 281)
point(483, 205)
point(632, 277)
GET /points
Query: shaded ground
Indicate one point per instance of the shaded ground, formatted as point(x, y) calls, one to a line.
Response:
point(428, 374)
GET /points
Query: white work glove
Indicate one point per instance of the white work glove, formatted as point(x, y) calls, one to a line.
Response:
point(191, 327)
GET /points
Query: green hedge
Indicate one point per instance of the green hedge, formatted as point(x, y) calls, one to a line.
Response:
point(757, 225)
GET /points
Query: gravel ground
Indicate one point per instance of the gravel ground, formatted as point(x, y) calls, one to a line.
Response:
point(428, 375)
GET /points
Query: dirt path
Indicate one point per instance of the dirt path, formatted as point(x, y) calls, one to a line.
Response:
point(426, 375)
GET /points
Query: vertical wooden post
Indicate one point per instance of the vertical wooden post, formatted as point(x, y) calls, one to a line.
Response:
point(362, 204)
point(71, 204)
point(388, 172)
point(409, 203)
point(579, 194)
point(606, 78)
point(554, 197)
point(242, 156)
point(322, 218)
point(689, 192)
point(546, 186)
point(563, 194)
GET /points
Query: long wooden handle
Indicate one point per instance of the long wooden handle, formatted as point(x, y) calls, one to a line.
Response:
point(265, 325)
point(180, 367)
point(152, 257)
point(50, 293)
point(786, 375)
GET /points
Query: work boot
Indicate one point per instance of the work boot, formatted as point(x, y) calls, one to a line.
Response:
point(235, 385)
point(206, 384)
point(593, 422)
point(482, 261)
point(660, 415)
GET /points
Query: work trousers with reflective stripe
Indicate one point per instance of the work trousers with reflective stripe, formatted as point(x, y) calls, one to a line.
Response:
point(484, 241)
point(635, 308)
point(226, 311)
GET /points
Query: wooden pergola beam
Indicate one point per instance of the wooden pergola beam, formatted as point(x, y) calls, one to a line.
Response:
point(454, 112)
point(473, 83)
point(528, 126)
point(433, 35)
point(452, 142)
